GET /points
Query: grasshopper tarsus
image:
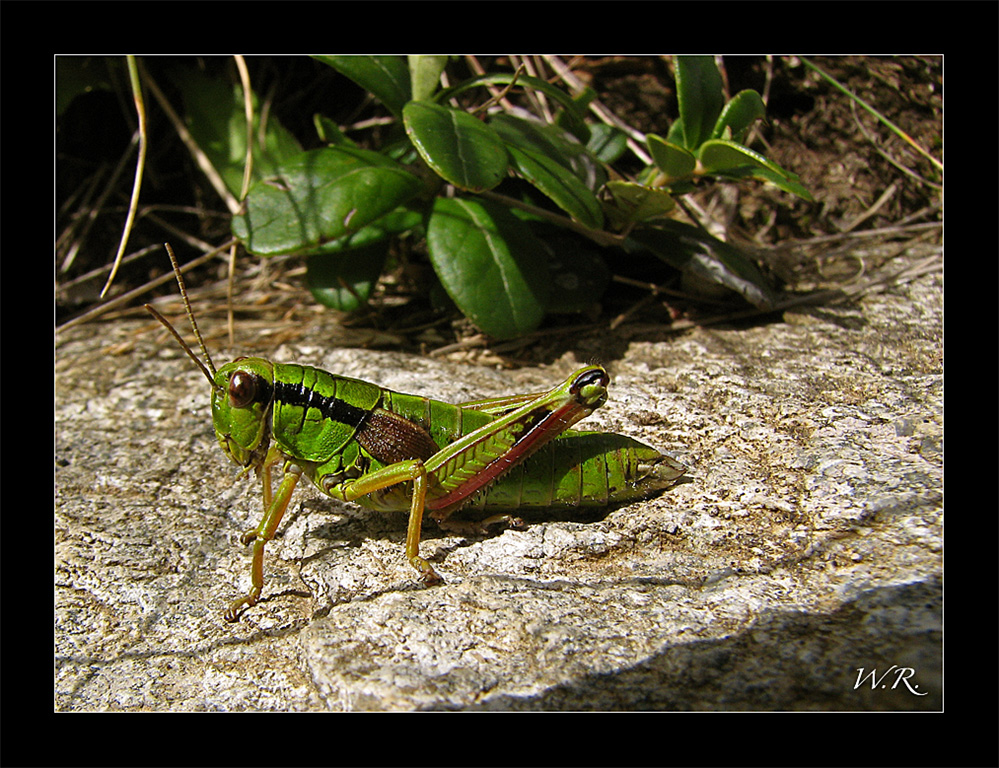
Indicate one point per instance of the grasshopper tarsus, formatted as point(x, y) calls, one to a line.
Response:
point(508, 520)
point(479, 527)
point(237, 607)
point(430, 577)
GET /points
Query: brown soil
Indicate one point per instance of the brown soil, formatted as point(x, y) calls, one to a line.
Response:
point(844, 156)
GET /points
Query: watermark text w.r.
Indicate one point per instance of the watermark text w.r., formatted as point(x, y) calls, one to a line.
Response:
point(890, 678)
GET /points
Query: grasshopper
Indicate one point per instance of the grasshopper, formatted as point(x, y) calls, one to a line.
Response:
point(386, 450)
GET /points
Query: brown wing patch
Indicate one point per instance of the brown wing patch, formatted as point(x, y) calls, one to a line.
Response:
point(391, 438)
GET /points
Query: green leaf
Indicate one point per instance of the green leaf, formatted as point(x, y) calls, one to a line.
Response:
point(385, 77)
point(698, 254)
point(425, 75)
point(745, 108)
point(342, 274)
point(570, 194)
point(556, 143)
point(490, 264)
point(674, 161)
point(77, 75)
point(571, 121)
point(788, 183)
point(215, 116)
point(675, 134)
point(344, 280)
point(579, 273)
point(722, 157)
point(607, 143)
point(329, 132)
point(319, 196)
point(458, 147)
point(631, 203)
point(402, 219)
point(524, 81)
point(699, 97)
point(542, 160)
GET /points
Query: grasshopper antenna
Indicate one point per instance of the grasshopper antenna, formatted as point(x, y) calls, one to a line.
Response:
point(209, 374)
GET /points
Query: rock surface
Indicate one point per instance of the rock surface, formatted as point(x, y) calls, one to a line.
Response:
point(802, 553)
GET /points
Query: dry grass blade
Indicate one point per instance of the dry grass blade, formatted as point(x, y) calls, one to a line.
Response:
point(140, 166)
point(244, 76)
point(881, 118)
point(636, 139)
point(129, 296)
point(199, 156)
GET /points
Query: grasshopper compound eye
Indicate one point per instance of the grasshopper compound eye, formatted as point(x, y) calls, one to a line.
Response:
point(242, 389)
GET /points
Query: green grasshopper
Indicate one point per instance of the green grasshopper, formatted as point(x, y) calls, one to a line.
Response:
point(386, 450)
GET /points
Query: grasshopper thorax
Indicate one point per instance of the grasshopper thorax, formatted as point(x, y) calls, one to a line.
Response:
point(242, 393)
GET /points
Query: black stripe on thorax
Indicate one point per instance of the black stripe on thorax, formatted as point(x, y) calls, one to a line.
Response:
point(332, 408)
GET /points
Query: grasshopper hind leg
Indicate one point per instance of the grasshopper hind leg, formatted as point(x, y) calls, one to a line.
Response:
point(410, 470)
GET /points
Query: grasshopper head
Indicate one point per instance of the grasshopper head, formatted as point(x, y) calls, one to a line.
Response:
point(242, 392)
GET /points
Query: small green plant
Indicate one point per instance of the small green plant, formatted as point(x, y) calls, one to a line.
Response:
point(447, 175)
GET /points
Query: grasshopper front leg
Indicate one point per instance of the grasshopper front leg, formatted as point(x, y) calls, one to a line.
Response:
point(274, 508)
